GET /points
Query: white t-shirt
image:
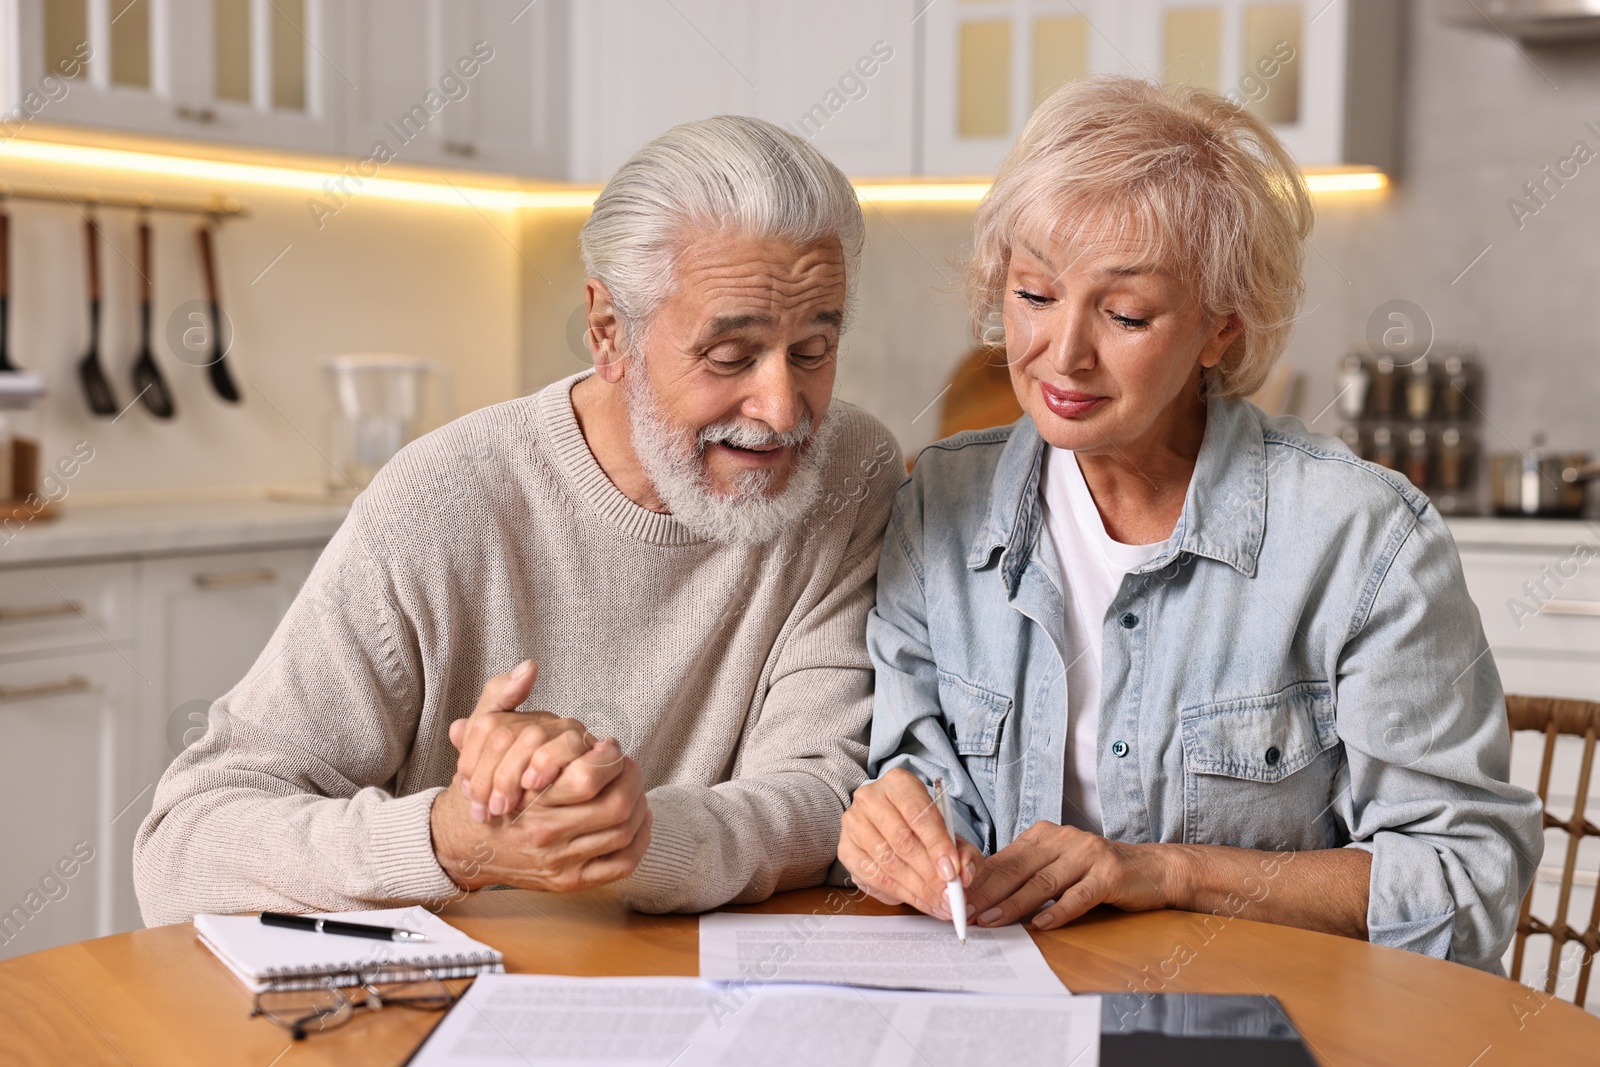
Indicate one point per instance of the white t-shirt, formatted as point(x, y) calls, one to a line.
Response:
point(1093, 566)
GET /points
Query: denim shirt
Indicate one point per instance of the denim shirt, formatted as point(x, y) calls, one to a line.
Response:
point(1302, 668)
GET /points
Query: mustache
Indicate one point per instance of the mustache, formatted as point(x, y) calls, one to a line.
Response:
point(745, 435)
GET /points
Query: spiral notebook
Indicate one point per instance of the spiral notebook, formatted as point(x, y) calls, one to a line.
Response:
point(270, 957)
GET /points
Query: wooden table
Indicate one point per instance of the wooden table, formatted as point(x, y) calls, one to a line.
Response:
point(158, 997)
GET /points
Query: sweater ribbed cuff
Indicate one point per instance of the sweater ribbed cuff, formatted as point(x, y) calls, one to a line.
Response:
point(400, 843)
point(663, 880)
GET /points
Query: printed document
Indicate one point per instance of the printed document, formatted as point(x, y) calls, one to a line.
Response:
point(528, 1020)
point(884, 951)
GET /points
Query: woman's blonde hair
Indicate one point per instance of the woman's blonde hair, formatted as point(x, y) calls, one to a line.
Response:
point(1205, 185)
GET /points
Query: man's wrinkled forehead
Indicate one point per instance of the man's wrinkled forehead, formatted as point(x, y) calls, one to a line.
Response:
point(743, 285)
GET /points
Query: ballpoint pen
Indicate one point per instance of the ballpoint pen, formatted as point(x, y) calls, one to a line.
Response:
point(953, 890)
point(335, 926)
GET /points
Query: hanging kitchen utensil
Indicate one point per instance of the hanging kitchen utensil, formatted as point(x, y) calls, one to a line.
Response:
point(221, 380)
point(95, 386)
point(5, 291)
point(147, 378)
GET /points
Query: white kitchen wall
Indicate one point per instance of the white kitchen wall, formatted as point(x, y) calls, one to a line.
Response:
point(381, 275)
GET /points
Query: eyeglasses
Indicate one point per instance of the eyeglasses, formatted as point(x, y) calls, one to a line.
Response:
point(304, 1011)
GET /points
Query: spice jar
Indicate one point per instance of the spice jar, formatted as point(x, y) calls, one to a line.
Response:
point(1456, 398)
point(1455, 461)
point(1350, 434)
point(1419, 390)
point(1354, 384)
point(1418, 458)
point(1385, 381)
point(1384, 453)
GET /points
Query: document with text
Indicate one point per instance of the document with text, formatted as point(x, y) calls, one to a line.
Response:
point(882, 951)
point(551, 1021)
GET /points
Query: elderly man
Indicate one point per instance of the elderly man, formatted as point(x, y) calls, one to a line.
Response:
point(677, 549)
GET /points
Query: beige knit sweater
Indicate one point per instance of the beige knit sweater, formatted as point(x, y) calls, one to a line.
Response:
point(737, 677)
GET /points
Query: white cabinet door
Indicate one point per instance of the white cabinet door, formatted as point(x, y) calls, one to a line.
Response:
point(461, 83)
point(513, 112)
point(203, 621)
point(1324, 75)
point(255, 72)
point(839, 73)
point(1540, 609)
point(986, 65)
point(648, 65)
point(53, 609)
point(394, 56)
point(65, 784)
point(263, 72)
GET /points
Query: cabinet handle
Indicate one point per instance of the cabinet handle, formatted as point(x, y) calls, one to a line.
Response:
point(464, 149)
point(201, 115)
point(75, 684)
point(1570, 607)
point(229, 579)
point(43, 611)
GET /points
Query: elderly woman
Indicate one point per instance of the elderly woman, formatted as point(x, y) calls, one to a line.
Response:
point(1164, 650)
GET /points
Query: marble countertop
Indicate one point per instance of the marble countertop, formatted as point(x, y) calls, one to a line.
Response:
point(99, 530)
point(1523, 533)
point(88, 529)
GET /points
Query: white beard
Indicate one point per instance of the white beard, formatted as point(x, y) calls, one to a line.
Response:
point(674, 460)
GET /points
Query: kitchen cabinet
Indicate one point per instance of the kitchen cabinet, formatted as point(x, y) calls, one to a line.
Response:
point(64, 773)
point(840, 74)
point(837, 73)
point(1536, 583)
point(459, 83)
point(642, 68)
point(986, 65)
point(1324, 75)
point(254, 72)
point(203, 620)
point(1539, 600)
point(558, 89)
point(107, 669)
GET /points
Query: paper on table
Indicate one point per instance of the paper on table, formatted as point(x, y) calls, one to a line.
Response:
point(542, 1020)
point(548, 1021)
point(884, 951)
point(802, 1026)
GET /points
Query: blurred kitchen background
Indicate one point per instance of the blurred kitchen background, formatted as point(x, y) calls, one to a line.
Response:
point(392, 193)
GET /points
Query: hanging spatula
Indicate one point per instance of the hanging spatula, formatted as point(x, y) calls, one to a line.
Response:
point(95, 386)
point(221, 380)
point(5, 292)
point(146, 375)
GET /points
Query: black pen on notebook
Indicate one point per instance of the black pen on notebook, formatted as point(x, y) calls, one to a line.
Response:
point(334, 926)
point(953, 890)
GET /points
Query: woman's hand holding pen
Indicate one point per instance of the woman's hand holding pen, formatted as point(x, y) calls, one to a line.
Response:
point(893, 842)
point(1066, 871)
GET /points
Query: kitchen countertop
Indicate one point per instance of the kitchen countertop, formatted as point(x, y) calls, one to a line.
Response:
point(1523, 533)
point(101, 530)
point(93, 530)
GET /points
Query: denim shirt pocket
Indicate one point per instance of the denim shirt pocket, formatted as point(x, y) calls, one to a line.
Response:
point(973, 718)
point(1259, 771)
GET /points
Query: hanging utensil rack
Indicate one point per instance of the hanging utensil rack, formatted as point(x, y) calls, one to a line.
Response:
point(217, 207)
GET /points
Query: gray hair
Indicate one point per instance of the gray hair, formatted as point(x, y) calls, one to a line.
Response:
point(729, 172)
